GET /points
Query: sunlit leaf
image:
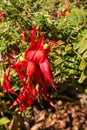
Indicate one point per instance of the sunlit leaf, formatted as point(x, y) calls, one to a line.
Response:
point(82, 78)
point(4, 120)
point(68, 48)
point(85, 55)
point(82, 65)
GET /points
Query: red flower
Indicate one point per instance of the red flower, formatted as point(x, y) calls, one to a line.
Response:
point(26, 96)
point(63, 14)
point(6, 83)
point(35, 69)
point(38, 57)
point(2, 15)
point(68, 9)
point(6, 86)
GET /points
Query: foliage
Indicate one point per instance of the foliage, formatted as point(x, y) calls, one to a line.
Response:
point(67, 24)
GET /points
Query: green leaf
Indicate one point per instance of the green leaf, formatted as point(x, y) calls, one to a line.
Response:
point(4, 120)
point(82, 48)
point(82, 78)
point(68, 48)
point(15, 88)
point(82, 65)
point(85, 55)
point(85, 71)
point(82, 45)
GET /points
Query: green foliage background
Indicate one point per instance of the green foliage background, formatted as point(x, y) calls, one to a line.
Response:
point(69, 60)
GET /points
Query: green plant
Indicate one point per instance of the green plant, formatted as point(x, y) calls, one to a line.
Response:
point(67, 26)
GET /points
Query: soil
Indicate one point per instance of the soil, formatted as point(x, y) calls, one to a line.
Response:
point(70, 114)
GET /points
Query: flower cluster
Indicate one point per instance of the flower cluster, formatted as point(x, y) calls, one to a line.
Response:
point(33, 71)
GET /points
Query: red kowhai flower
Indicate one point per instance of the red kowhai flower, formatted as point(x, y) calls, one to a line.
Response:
point(2, 15)
point(38, 57)
point(68, 9)
point(27, 96)
point(62, 14)
point(35, 69)
point(6, 86)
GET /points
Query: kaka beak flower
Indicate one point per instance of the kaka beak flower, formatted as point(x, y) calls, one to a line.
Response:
point(62, 14)
point(6, 86)
point(2, 15)
point(26, 96)
point(35, 69)
point(37, 59)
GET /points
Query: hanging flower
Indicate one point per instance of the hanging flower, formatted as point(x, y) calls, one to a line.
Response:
point(35, 69)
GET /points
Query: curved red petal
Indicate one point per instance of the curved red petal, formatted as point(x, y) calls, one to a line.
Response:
point(39, 56)
point(30, 69)
point(7, 86)
point(32, 36)
point(46, 97)
point(21, 108)
point(26, 96)
point(20, 68)
point(40, 42)
point(45, 68)
point(29, 54)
